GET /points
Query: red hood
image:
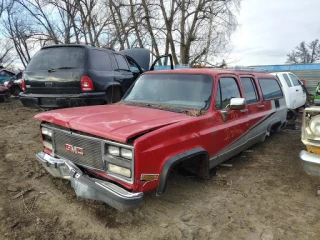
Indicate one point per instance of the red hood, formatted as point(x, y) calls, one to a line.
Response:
point(115, 122)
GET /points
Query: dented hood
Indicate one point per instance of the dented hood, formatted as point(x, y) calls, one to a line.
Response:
point(114, 122)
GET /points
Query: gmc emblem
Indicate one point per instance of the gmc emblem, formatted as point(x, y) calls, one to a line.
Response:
point(73, 149)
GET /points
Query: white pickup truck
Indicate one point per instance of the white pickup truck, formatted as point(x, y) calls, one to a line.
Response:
point(294, 93)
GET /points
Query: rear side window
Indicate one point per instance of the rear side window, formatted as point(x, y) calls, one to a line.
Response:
point(285, 76)
point(250, 90)
point(227, 89)
point(100, 61)
point(58, 57)
point(122, 63)
point(295, 80)
point(270, 88)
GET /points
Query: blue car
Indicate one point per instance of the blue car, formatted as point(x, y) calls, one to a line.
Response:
point(6, 75)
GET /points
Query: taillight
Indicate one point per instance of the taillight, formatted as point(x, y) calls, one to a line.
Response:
point(86, 84)
point(23, 85)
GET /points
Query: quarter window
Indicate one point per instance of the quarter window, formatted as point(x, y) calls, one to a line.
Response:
point(294, 80)
point(227, 89)
point(100, 61)
point(285, 76)
point(250, 90)
point(270, 88)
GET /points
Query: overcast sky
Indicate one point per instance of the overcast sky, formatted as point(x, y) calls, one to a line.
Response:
point(270, 29)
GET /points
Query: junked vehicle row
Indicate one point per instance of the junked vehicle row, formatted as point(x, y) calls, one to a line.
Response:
point(155, 121)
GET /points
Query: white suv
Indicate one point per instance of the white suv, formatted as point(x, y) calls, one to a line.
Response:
point(294, 93)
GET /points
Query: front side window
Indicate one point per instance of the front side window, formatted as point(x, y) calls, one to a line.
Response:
point(122, 63)
point(270, 88)
point(188, 91)
point(250, 90)
point(227, 89)
point(58, 57)
point(286, 78)
point(295, 80)
point(100, 61)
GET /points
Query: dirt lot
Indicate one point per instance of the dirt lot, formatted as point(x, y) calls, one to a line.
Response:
point(265, 195)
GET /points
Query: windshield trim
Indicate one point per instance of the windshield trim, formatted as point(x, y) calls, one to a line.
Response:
point(175, 106)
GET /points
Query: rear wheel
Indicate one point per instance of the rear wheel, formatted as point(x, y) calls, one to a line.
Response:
point(113, 95)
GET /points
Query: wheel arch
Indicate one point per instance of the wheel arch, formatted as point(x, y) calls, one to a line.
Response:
point(273, 123)
point(179, 158)
point(114, 85)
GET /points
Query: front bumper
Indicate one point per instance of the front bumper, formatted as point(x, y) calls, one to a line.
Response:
point(316, 101)
point(310, 162)
point(4, 95)
point(91, 188)
point(61, 100)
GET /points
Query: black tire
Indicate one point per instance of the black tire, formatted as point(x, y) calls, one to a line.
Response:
point(279, 129)
point(15, 91)
point(113, 95)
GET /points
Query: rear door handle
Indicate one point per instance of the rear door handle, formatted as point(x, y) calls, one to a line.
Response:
point(261, 106)
point(244, 110)
point(297, 90)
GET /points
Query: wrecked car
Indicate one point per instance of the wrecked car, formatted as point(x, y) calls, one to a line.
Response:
point(14, 86)
point(4, 93)
point(73, 75)
point(294, 92)
point(193, 119)
point(310, 136)
point(6, 75)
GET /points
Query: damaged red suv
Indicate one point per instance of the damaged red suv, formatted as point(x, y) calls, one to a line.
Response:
point(192, 118)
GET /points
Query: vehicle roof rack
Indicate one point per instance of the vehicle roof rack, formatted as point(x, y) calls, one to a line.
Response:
point(249, 69)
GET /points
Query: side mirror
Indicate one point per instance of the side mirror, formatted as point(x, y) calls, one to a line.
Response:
point(237, 103)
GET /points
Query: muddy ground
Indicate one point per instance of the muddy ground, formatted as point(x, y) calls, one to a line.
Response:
point(265, 195)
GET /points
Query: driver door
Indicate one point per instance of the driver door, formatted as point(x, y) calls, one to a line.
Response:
point(231, 136)
point(163, 62)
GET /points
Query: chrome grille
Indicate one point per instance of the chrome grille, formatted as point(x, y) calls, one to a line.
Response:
point(92, 156)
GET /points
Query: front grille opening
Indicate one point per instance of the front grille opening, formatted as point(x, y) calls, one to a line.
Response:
point(83, 151)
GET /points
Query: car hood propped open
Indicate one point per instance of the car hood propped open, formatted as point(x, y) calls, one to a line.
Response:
point(114, 122)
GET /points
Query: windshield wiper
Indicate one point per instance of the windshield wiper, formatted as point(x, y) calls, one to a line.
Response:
point(54, 69)
point(122, 69)
point(206, 104)
point(154, 105)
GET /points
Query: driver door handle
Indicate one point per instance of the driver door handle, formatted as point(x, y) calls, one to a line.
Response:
point(261, 106)
point(297, 90)
point(244, 110)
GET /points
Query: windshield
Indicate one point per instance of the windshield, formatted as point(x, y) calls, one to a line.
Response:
point(58, 58)
point(189, 91)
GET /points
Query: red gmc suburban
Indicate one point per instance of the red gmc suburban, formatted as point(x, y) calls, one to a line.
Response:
point(190, 118)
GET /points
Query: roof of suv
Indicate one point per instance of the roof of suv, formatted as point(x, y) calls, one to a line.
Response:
point(77, 45)
point(213, 72)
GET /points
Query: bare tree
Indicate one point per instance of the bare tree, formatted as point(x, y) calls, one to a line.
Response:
point(193, 31)
point(19, 32)
point(205, 27)
point(305, 53)
point(6, 56)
